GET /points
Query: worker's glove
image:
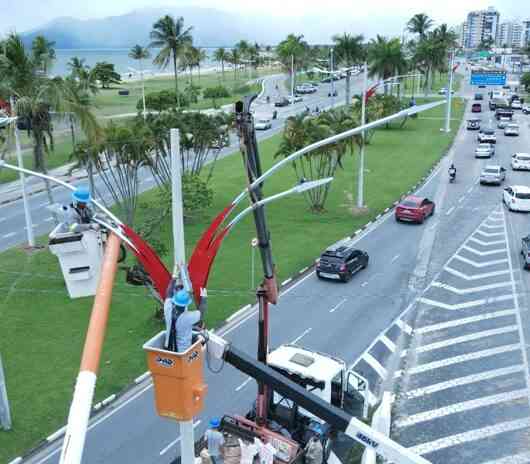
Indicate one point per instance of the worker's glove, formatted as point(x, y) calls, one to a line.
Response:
point(203, 293)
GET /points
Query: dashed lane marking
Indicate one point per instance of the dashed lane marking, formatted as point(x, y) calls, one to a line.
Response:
point(395, 258)
point(464, 320)
point(466, 291)
point(244, 384)
point(522, 458)
point(450, 210)
point(297, 339)
point(471, 435)
point(375, 365)
point(174, 442)
point(11, 234)
point(470, 189)
point(461, 199)
point(480, 265)
point(338, 305)
point(466, 380)
point(461, 407)
point(464, 357)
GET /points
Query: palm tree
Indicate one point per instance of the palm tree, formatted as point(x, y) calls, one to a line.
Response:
point(235, 59)
point(37, 97)
point(386, 58)
point(43, 53)
point(76, 66)
point(349, 50)
point(140, 53)
point(172, 38)
point(243, 48)
point(419, 24)
point(221, 55)
point(201, 56)
point(292, 51)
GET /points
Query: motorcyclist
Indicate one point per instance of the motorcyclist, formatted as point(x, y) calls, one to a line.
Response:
point(452, 171)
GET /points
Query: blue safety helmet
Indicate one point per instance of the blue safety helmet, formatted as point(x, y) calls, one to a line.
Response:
point(215, 423)
point(181, 298)
point(81, 195)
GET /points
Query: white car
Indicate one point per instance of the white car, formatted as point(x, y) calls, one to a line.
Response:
point(511, 129)
point(492, 175)
point(484, 150)
point(521, 161)
point(295, 99)
point(263, 124)
point(526, 109)
point(517, 105)
point(517, 198)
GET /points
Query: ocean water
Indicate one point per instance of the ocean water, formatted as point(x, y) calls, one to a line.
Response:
point(119, 57)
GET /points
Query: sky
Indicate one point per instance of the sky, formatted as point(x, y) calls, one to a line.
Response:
point(22, 15)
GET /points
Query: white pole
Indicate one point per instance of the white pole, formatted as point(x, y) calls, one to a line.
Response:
point(27, 213)
point(143, 86)
point(449, 93)
point(360, 174)
point(5, 415)
point(332, 80)
point(292, 79)
point(187, 444)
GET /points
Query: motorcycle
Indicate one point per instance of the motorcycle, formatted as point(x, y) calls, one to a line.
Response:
point(452, 177)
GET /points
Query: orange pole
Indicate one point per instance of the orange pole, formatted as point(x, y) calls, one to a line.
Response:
point(101, 307)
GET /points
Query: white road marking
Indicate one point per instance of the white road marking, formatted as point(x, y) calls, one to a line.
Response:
point(464, 320)
point(480, 265)
point(337, 306)
point(465, 338)
point(490, 234)
point(388, 343)
point(484, 253)
point(375, 365)
point(469, 190)
point(463, 358)
point(483, 243)
point(404, 326)
point(461, 407)
point(11, 234)
point(466, 304)
point(466, 291)
point(244, 384)
point(466, 380)
point(297, 339)
point(174, 442)
point(471, 435)
point(395, 258)
point(2, 219)
point(50, 219)
point(461, 199)
point(450, 210)
point(491, 227)
point(364, 284)
point(456, 273)
point(522, 458)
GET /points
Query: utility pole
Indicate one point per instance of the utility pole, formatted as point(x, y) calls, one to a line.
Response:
point(20, 162)
point(143, 85)
point(332, 80)
point(5, 414)
point(292, 79)
point(449, 94)
point(187, 443)
point(360, 174)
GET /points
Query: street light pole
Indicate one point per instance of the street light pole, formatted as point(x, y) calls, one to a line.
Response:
point(20, 162)
point(449, 94)
point(292, 79)
point(360, 174)
point(143, 86)
point(332, 80)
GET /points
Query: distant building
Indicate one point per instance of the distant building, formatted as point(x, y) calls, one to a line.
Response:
point(510, 35)
point(481, 26)
point(526, 33)
point(460, 32)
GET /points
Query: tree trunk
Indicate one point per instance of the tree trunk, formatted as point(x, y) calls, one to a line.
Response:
point(176, 78)
point(223, 69)
point(348, 88)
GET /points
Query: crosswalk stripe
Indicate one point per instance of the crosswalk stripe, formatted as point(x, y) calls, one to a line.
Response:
point(473, 356)
point(388, 343)
point(522, 458)
point(471, 435)
point(466, 304)
point(466, 380)
point(375, 365)
point(490, 234)
point(484, 275)
point(484, 253)
point(483, 243)
point(404, 326)
point(464, 320)
point(465, 291)
point(461, 407)
point(480, 265)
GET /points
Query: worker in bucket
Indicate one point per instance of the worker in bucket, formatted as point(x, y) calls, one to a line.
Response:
point(215, 441)
point(79, 216)
point(179, 320)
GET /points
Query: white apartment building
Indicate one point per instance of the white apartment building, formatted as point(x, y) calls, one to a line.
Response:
point(482, 25)
point(511, 34)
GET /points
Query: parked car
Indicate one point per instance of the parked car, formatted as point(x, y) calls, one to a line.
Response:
point(479, 96)
point(263, 124)
point(517, 198)
point(414, 209)
point(521, 162)
point(503, 122)
point(525, 251)
point(473, 124)
point(487, 136)
point(282, 102)
point(476, 108)
point(526, 109)
point(512, 130)
point(341, 263)
point(517, 105)
point(484, 150)
point(492, 175)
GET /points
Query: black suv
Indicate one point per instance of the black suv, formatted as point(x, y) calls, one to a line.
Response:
point(341, 263)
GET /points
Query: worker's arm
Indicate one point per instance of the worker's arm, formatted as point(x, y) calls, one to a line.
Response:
point(203, 304)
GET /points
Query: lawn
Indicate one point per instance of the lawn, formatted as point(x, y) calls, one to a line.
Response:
point(42, 340)
point(109, 103)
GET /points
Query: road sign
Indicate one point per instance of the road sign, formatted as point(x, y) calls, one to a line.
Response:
point(488, 78)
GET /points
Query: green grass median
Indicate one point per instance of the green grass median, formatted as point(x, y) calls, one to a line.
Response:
point(42, 331)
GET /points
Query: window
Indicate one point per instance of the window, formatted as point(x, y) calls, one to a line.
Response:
point(336, 390)
point(409, 204)
point(491, 171)
point(523, 195)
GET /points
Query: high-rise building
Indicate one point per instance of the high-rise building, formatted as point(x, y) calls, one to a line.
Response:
point(482, 26)
point(511, 35)
point(460, 32)
point(526, 33)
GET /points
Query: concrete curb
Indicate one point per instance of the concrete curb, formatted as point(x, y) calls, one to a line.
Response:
point(142, 377)
point(15, 461)
point(56, 434)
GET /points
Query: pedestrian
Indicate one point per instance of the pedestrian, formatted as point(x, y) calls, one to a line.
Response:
point(215, 441)
point(78, 216)
point(180, 321)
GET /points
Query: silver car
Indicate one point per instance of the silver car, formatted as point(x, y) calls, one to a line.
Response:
point(503, 122)
point(263, 124)
point(511, 129)
point(484, 150)
point(492, 175)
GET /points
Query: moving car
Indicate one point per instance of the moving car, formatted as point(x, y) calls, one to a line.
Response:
point(525, 251)
point(476, 108)
point(521, 161)
point(516, 105)
point(305, 89)
point(503, 122)
point(341, 263)
point(526, 109)
point(473, 124)
point(487, 136)
point(263, 124)
point(517, 198)
point(479, 96)
point(511, 129)
point(503, 113)
point(332, 94)
point(443, 91)
point(295, 99)
point(281, 102)
point(414, 209)
point(484, 150)
point(492, 175)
